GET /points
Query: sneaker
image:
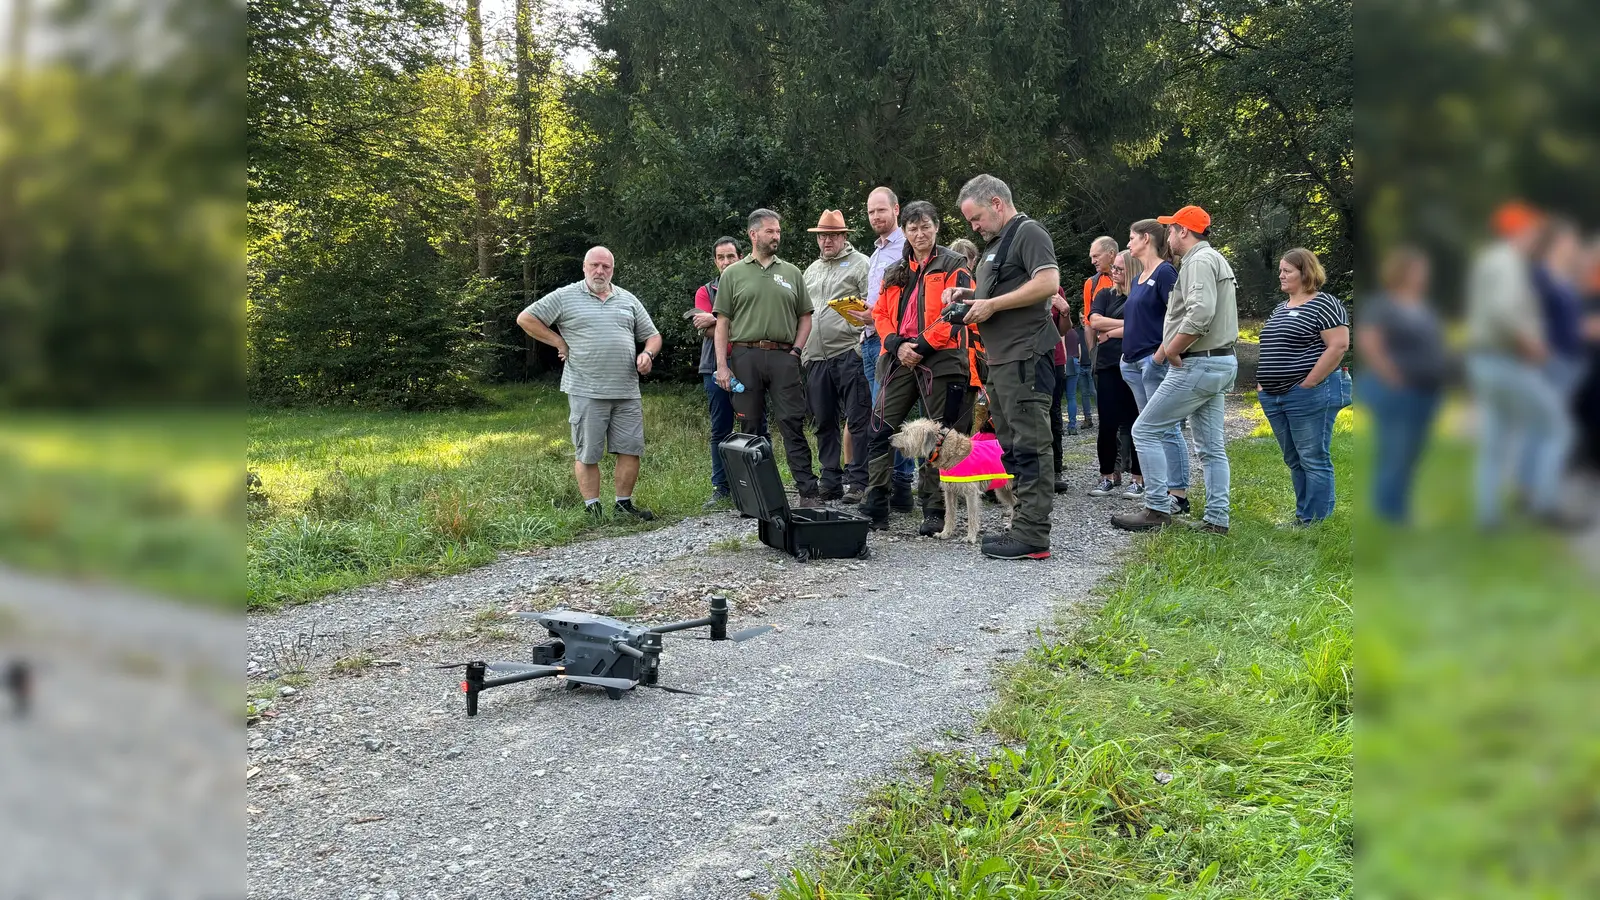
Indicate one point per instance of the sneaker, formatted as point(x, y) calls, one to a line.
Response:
point(1011, 548)
point(1135, 491)
point(1212, 528)
point(595, 512)
point(719, 500)
point(1088, 423)
point(1146, 519)
point(1073, 429)
point(1180, 504)
point(932, 524)
point(1295, 524)
point(1105, 488)
point(853, 494)
point(626, 508)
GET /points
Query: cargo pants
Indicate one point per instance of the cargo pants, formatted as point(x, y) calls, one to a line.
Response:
point(1019, 405)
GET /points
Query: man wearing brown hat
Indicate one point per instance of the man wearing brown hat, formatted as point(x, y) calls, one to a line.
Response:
point(835, 384)
point(1201, 327)
point(763, 319)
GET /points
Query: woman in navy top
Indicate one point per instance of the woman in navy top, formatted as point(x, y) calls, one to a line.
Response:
point(1143, 317)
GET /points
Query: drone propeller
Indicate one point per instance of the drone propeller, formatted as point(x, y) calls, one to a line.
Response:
point(620, 684)
point(749, 633)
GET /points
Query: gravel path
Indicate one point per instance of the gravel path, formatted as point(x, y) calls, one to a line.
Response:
point(375, 784)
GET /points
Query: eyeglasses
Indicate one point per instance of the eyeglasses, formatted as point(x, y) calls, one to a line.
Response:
point(1119, 268)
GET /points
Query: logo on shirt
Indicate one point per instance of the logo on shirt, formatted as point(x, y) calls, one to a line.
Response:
point(780, 280)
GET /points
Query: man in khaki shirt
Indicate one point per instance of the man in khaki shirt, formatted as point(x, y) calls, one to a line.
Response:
point(1201, 328)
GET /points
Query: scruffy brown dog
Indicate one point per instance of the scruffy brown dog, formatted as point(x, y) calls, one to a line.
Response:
point(966, 468)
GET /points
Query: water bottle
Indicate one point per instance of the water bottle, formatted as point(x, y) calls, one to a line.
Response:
point(735, 385)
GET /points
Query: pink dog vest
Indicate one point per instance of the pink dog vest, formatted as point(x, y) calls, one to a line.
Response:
point(982, 464)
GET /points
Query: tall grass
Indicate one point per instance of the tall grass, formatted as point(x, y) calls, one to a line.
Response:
point(358, 497)
point(1192, 740)
point(149, 499)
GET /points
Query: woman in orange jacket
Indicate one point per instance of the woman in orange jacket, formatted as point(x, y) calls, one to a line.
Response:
point(924, 358)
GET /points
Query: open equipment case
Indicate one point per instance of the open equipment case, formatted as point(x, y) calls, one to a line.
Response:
point(803, 533)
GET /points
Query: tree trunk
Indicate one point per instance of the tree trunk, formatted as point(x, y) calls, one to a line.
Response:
point(483, 190)
point(524, 104)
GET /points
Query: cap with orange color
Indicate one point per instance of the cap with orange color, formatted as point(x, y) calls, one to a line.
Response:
point(1191, 217)
point(1515, 217)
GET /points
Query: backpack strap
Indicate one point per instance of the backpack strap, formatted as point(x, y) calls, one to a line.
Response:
point(1004, 250)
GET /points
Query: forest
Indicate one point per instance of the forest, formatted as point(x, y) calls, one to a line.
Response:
point(419, 171)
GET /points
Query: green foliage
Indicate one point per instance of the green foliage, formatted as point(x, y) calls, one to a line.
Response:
point(1193, 740)
point(378, 320)
point(361, 496)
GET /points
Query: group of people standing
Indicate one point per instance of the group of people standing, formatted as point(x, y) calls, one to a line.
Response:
point(867, 339)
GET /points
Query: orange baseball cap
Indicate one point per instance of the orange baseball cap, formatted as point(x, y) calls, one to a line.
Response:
point(1514, 217)
point(1191, 217)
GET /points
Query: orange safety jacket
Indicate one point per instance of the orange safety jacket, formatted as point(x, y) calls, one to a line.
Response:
point(946, 349)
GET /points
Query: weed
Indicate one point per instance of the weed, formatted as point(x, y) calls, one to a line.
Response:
point(354, 664)
point(623, 609)
point(733, 543)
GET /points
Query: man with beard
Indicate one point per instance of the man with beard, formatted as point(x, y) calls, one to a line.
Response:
point(600, 327)
point(763, 319)
point(1017, 275)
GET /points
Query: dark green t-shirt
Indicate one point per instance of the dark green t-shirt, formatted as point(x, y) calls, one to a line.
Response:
point(1017, 334)
point(762, 303)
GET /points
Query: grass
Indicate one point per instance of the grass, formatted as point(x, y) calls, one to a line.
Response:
point(358, 497)
point(149, 499)
point(1193, 739)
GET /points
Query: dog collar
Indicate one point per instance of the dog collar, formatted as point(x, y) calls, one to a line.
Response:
point(934, 456)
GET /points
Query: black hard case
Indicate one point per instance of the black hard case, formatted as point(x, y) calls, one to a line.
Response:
point(758, 493)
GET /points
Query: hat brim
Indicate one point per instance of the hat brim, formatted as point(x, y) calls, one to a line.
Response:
point(829, 230)
point(1167, 220)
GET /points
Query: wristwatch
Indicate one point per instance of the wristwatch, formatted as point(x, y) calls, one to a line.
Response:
point(651, 355)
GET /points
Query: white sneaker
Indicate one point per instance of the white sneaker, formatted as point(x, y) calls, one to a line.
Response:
point(1135, 491)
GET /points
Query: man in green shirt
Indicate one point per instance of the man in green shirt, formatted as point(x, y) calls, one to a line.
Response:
point(763, 319)
point(1017, 275)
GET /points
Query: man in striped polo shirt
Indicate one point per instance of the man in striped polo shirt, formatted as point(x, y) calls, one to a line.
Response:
point(600, 329)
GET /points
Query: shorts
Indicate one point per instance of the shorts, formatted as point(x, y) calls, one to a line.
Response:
point(601, 426)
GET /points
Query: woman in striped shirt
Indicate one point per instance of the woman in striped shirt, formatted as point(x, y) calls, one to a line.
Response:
point(1303, 384)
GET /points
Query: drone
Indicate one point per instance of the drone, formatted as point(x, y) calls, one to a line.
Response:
point(598, 651)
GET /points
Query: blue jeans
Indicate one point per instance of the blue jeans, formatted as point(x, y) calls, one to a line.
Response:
point(1071, 392)
point(871, 348)
point(1143, 377)
point(1402, 418)
point(1523, 418)
point(1302, 421)
point(721, 404)
point(1194, 390)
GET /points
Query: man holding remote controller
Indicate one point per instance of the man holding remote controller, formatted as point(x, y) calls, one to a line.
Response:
point(1017, 275)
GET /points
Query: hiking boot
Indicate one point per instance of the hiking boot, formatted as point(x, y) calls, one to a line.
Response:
point(1073, 429)
point(1180, 505)
point(932, 524)
point(902, 501)
point(1105, 488)
point(626, 508)
point(830, 494)
point(1146, 519)
point(1088, 423)
point(720, 499)
point(1135, 491)
point(853, 494)
point(1211, 528)
point(876, 508)
point(1062, 484)
point(1011, 548)
point(808, 501)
